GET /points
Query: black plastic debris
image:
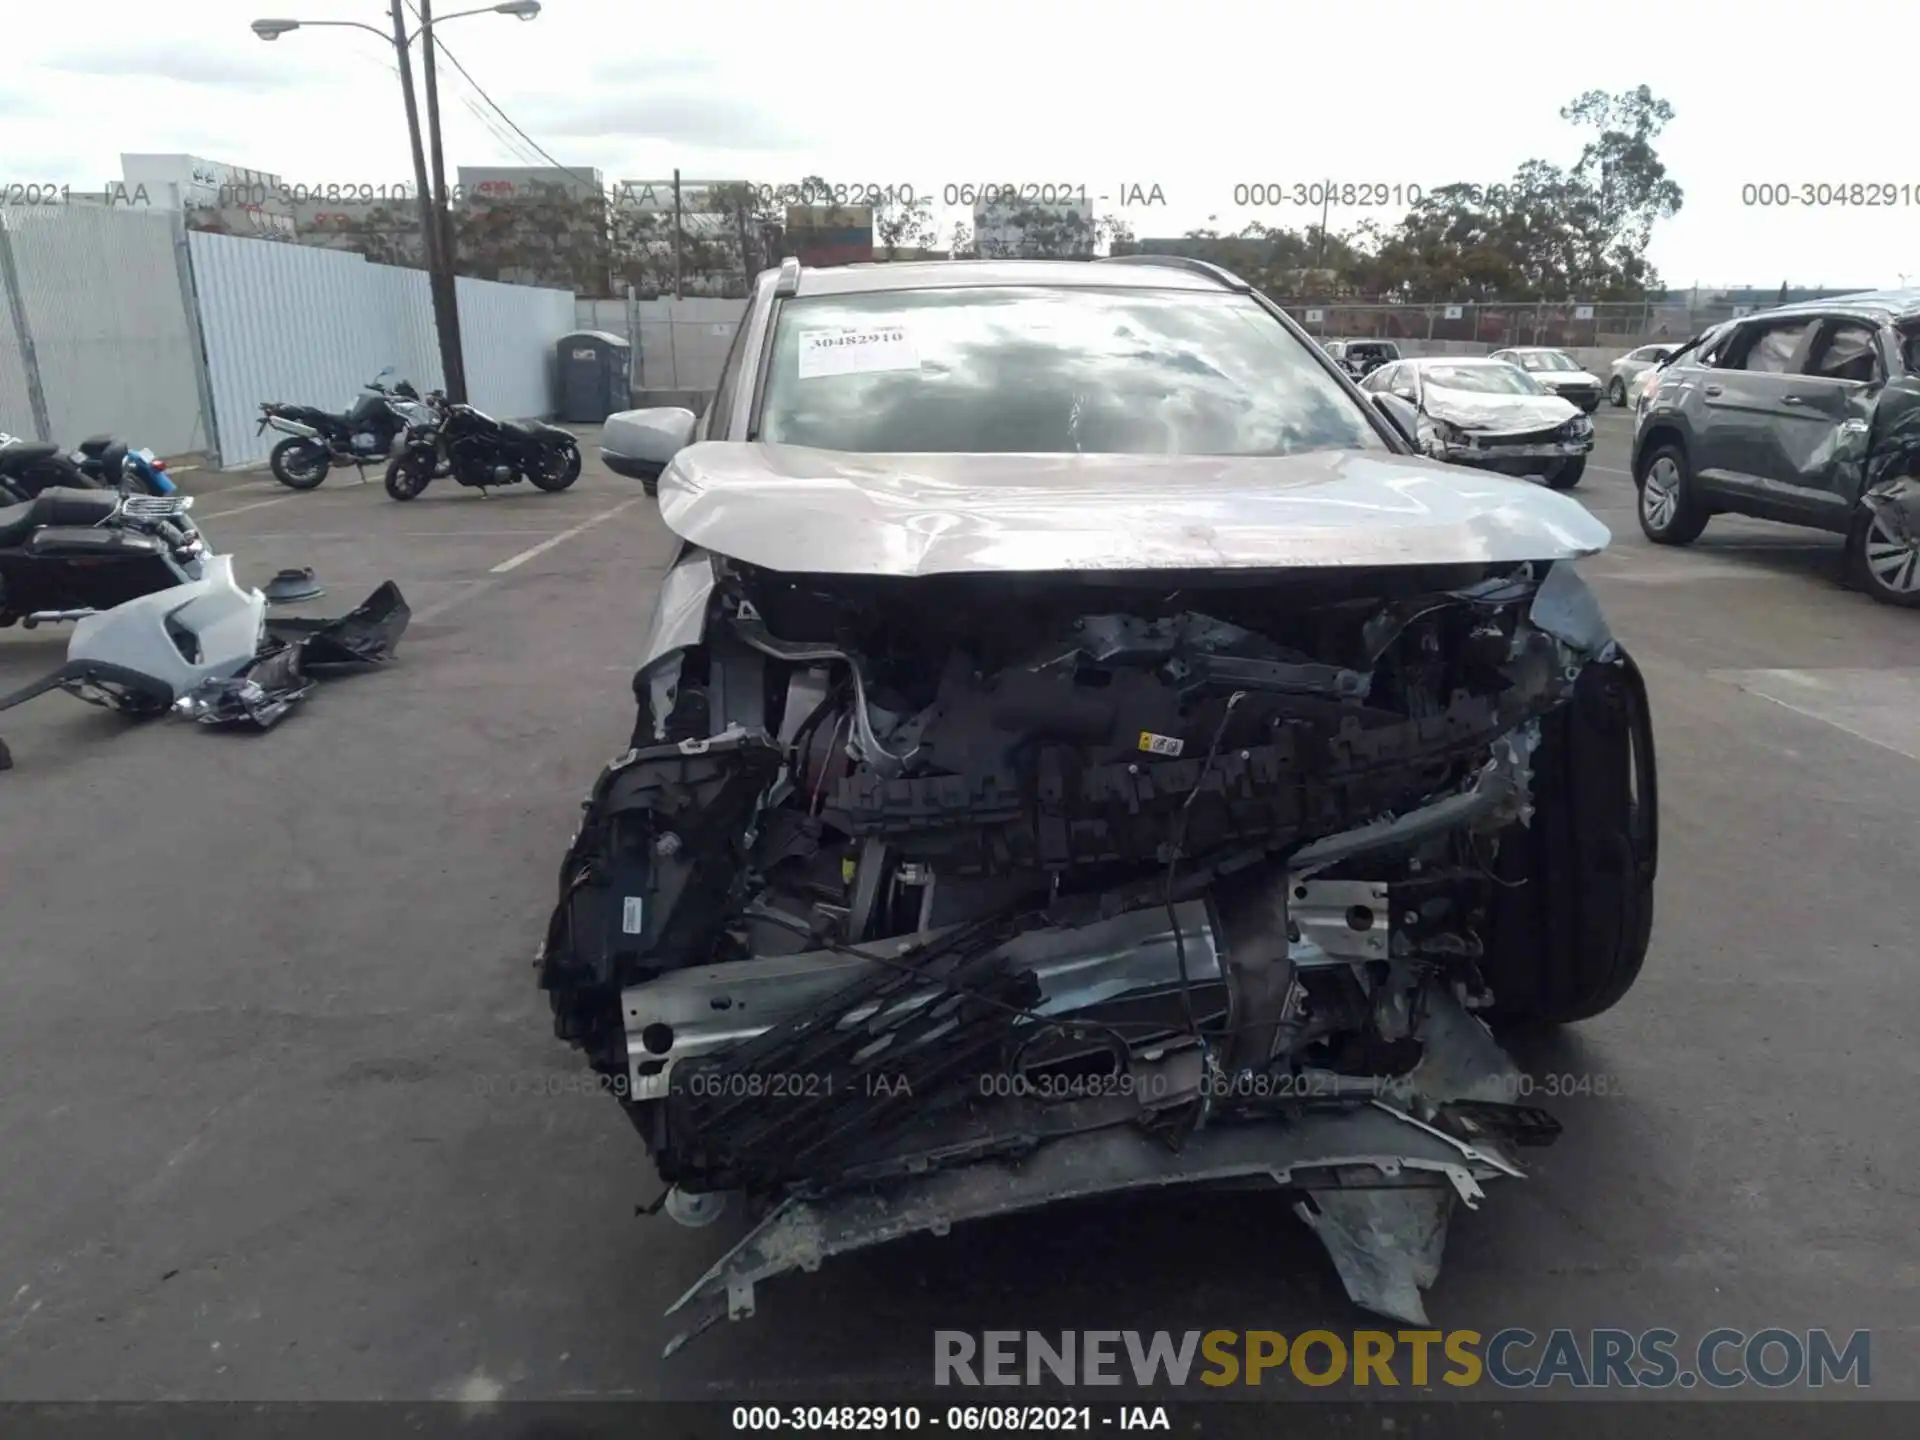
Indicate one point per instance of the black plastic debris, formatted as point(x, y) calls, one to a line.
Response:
point(366, 635)
point(290, 586)
point(283, 673)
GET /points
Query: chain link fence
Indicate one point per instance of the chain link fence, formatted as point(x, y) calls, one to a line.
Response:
point(1569, 325)
point(679, 345)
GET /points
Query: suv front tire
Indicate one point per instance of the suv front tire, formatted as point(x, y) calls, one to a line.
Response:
point(1670, 509)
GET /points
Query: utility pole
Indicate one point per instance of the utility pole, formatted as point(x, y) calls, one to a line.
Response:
point(446, 305)
point(1326, 203)
point(746, 255)
point(676, 234)
point(445, 323)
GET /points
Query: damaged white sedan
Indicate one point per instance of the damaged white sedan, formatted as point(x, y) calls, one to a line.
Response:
point(1082, 747)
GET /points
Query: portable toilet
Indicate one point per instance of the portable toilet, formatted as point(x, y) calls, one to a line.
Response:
point(596, 376)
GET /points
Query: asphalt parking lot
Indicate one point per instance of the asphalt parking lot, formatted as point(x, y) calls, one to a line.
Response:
point(271, 1035)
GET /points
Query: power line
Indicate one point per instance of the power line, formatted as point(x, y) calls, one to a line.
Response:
point(480, 90)
point(534, 144)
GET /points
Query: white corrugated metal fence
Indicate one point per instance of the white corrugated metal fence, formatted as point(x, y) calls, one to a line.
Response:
point(100, 293)
point(124, 321)
point(308, 326)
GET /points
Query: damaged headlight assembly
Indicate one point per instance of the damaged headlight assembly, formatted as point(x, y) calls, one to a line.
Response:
point(918, 904)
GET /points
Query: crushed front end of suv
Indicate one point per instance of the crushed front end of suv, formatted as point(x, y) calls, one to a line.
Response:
point(1137, 797)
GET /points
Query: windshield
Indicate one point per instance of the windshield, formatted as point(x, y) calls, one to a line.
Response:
point(1546, 360)
point(1482, 379)
point(1044, 370)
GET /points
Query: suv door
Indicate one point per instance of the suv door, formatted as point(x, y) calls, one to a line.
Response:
point(1744, 427)
point(1845, 371)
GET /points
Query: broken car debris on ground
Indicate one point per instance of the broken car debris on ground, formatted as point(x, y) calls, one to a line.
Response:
point(212, 652)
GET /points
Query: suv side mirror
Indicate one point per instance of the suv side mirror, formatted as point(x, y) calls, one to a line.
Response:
point(1400, 414)
point(641, 442)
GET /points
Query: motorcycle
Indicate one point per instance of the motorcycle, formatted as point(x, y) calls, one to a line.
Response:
point(109, 463)
point(481, 452)
point(68, 554)
point(317, 439)
point(27, 467)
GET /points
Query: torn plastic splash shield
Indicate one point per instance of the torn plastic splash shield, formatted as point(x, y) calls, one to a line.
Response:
point(1369, 1149)
point(1386, 1246)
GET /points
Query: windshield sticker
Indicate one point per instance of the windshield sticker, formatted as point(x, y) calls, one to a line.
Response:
point(869, 350)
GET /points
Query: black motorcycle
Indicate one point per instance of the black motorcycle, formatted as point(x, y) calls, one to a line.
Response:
point(480, 451)
point(318, 439)
point(27, 467)
point(68, 553)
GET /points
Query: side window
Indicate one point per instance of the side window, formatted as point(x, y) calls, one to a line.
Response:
point(713, 424)
point(1713, 350)
point(1770, 349)
point(1847, 350)
point(1405, 384)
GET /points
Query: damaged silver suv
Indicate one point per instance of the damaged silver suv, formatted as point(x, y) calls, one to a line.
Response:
point(1809, 415)
point(1082, 747)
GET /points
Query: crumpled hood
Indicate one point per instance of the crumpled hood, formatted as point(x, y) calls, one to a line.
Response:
point(1472, 411)
point(798, 509)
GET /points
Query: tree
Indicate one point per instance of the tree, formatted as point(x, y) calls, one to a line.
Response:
point(1548, 234)
point(905, 225)
point(553, 237)
point(1039, 231)
point(1624, 179)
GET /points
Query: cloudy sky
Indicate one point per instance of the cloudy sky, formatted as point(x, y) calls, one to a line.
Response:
point(1194, 98)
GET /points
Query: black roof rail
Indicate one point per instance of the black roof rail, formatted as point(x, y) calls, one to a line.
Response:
point(1183, 262)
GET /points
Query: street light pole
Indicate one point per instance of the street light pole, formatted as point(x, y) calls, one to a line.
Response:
point(445, 323)
point(436, 229)
point(452, 356)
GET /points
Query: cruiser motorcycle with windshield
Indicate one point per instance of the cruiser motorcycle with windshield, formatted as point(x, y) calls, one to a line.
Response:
point(318, 439)
point(481, 452)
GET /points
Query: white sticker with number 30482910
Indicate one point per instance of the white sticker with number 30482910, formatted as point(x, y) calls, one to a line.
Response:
point(866, 350)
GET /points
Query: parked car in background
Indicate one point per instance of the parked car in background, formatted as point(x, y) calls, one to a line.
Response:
point(1641, 386)
point(1558, 371)
point(1630, 367)
point(1809, 415)
point(1360, 358)
point(1479, 411)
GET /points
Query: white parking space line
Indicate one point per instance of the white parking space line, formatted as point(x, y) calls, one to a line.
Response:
point(242, 509)
point(1881, 707)
point(545, 545)
point(389, 534)
point(1609, 470)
